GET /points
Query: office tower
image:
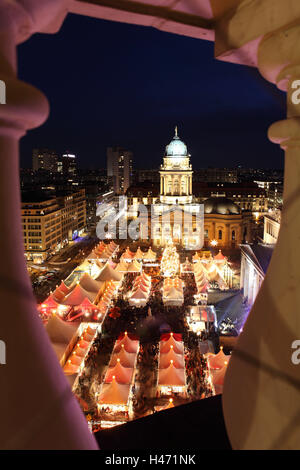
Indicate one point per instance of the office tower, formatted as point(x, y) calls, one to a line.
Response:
point(119, 168)
point(67, 164)
point(44, 159)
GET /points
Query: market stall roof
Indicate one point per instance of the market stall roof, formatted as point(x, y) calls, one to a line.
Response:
point(174, 293)
point(130, 345)
point(126, 359)
point(114, 394)
point(59, 295)
point(217, 361)
point(139, 294)
point(134, 267)
point(220, 256)
point(165, 360)
point(123, 375)
point(122, 266)
point(77, 296)
point(60, 331)
point(89, 284)
point(109, 274)
point(86, 304)
point(171, 376)
point(139, 254)
point(49, 303)
point(64, 288)
point(171, 343)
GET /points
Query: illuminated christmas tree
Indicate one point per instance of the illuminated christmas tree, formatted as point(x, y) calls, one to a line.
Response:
point(170, 261)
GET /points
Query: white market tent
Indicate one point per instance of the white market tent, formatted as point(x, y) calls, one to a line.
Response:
point(77, 296)
point(171, 343)
point(122, 267)
point(171, 377)
point(165, 360)
point(114, 394)
point(89, 284)
point(130, 345)
point(126, 359)
point(134, 267)
point(108, 273)
point(123, 375)
point(60, 331)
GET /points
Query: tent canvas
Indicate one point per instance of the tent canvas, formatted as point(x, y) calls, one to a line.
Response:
point(60, 331)
point(114, 394)
point(171, 376)
point(123, 375)
point(77, 296)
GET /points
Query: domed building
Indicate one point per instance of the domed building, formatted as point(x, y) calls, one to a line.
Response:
point(176, 173)
point(224, 223)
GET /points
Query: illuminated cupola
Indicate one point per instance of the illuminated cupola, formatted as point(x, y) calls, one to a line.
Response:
point(176, 173)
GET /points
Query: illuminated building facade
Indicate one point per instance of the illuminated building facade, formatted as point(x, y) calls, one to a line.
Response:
point(50, 223)
point(176, 174)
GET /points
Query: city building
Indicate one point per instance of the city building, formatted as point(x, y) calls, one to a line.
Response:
point(176, 173)
point(248, 196)
point(49, 223)
point(225, 225)
point(67, 164)
point(44, 159)
point(271, 227)
point(214, 175)
point(255, 260)
point(119, 169)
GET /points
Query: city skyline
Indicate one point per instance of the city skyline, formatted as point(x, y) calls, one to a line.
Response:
point(168, 86)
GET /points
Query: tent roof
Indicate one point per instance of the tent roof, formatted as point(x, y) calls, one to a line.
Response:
point(109, 274)
point(130, 345)
point(134, 266)
point(114, 394)
point(122, 266)
point(122, 374)
point(89, 284)
point(86, 303)
point(216, 361)
point(165, 346)
point(77, 295)
point(139, 254)
point(49, 302)
point(165, 359)
point(220, 256)
point(127, 359)
point(174, 293)
point(60, 331)
point(139, 294)
point(171, 376)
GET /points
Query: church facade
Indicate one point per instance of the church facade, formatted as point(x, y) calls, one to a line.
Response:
point(176, 215)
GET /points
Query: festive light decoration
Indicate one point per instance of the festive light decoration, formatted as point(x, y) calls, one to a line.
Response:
point(170, 262)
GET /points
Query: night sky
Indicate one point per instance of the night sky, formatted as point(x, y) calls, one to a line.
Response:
point(117, 84)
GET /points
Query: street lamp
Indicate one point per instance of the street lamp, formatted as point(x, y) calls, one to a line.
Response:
point(214, 243)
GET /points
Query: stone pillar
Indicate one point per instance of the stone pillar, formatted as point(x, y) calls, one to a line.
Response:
point(37, 407)
point(264, 412)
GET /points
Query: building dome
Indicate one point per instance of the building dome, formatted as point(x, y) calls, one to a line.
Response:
point(220, 205)
point(176, 147)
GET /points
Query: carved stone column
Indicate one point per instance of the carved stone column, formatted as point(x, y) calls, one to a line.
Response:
point(37, 408)
point(261, 393)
